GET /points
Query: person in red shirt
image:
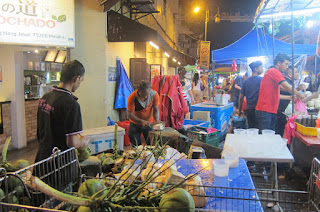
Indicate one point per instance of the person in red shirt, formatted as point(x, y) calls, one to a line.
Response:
point(269, 95)
point(142, 109)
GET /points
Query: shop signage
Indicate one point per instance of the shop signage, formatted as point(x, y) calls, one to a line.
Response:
point(37, 22)
point(205, 55)
point(112, 74)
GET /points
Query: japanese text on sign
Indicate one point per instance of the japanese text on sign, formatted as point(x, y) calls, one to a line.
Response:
point(37, 22)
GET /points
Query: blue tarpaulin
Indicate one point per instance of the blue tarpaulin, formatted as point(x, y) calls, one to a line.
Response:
point(257, 43)
point(124, 87)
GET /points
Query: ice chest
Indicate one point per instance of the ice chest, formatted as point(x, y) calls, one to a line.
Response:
point(219, 115)
point(101, 138)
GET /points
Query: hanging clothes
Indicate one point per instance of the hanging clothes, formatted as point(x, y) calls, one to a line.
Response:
point(178, 106)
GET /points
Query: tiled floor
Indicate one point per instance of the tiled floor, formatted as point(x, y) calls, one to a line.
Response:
point(28, 153)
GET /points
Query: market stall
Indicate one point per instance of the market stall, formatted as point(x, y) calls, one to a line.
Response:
point(271, 11)
point(304, 148)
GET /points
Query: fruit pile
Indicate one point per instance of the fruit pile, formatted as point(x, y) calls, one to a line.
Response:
point(16, 187)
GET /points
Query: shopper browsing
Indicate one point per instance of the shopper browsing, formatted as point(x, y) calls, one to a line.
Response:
point(236, 88)
point(59, 115)
point(186, 87)
point(196, 88)
point(269, 95)
point(250, 89)
point(142, 111)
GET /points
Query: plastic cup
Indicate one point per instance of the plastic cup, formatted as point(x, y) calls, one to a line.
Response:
point(252, 131)
point(220, 168)
point(283, 145)
point(240, 131)
point(232, 159)
point(268, 132)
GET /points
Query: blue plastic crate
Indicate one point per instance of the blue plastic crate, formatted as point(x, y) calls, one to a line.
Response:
point(199, 123)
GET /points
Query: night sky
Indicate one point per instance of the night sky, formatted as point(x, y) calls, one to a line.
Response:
point(224, 33)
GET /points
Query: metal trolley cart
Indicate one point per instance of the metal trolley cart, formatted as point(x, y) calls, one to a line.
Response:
point(61, 171)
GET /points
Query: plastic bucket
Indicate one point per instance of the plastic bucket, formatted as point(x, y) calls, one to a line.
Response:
point(252, 131)
point(220, 168)
point(125, 125)
point(239, 131)
point(268, 132)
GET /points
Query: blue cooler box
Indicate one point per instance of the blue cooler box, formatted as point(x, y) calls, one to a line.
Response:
point(219, 115)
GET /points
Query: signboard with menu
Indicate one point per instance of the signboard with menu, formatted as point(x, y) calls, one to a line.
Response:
point(205, 55)
point(37, 22)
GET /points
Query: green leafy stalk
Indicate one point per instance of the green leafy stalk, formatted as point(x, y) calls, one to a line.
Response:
point(48, 190)
point(5, 150)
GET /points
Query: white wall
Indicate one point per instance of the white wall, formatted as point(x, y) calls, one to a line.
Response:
point(96, 94)
point(90, 51)
point(124, 50)
point(12, 89)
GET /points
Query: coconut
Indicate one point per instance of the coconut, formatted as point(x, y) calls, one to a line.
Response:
point(84, 153)
point(20, 164)
point(107, 165)
point(178, 200)
point(83, 209)
point(90, 187)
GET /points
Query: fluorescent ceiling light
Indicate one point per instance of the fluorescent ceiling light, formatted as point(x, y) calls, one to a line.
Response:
point(297, 12)
point(166, 54)
point(174, 60)
point(153, 44)
point(310, 24)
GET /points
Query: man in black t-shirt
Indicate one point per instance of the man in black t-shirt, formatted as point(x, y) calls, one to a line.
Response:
point(59, 121)
point(236, 88)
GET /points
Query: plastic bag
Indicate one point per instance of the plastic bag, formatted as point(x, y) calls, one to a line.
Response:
point(300, 106)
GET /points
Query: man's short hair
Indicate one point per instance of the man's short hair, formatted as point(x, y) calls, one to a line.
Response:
point(254, 65)
point(281, 58)
point(70, 70)
point(144, 86)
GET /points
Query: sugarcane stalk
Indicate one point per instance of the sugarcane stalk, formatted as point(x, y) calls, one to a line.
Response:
point(112, 187)
point(5, 150)
point(115, 141)
point(150, 179)
point(48, 190)
point(113, 205)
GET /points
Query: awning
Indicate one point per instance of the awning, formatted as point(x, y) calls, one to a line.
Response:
point(123, 29)
point(282, 8)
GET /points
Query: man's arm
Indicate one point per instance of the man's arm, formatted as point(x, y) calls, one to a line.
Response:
point(237, 86)
point(285, 97)
point(136, 119)
point(191, 96)
point(288, 88)
point(156, 113)
point(77, 141)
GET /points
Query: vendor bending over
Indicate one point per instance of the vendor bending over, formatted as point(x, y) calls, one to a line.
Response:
point(142, 111)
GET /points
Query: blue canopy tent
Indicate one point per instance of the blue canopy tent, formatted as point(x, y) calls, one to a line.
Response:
point(255, 44)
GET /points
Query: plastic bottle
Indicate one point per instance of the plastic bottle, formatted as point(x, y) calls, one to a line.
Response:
point(318, 123)
point(111, 123)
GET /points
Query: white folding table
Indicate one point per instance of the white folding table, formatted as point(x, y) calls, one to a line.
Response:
point(263, 148)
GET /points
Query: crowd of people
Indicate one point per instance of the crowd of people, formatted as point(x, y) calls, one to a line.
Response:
point(268, 97)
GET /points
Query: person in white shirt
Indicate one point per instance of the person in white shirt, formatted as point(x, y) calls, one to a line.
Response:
point(196, 87)
point(186, 87)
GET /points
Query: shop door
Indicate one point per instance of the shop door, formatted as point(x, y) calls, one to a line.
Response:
point(139, 70)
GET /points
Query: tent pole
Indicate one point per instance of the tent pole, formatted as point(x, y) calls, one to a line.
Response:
point(292, 60)
point(273, 36)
